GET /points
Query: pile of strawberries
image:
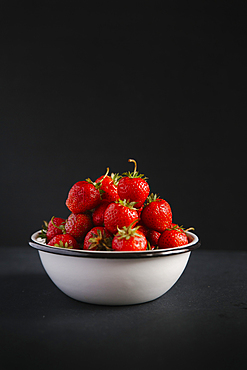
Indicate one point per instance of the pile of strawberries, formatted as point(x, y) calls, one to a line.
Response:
point(115, 213)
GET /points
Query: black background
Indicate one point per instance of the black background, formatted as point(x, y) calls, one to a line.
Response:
point(87, 87)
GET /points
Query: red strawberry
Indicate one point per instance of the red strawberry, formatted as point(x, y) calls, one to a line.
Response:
point(157, 214)
point(109, 186)
point(53, 228)
point(172, 238)
point(139, 210)
point(142, 227)
point(98, 214)
point(153, 237)
point(64, 241)
point(98, 238)
point(77, 225)
point(133, 187)
point(129, 239)
point(83, 196)
point(119, 214)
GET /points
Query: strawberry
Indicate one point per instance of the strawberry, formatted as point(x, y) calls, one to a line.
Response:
point(142, 227)
point(83, 196)
point(119, 214)
point(77, 225)
point(98, 214)
point(153, 237)
point(64, 241)
point(109, 186)
point(139, 210)
point(173, 237)
point(157, 214)
point(53, 228)
point(129, 239)
point(98, 238)
point(133, 187)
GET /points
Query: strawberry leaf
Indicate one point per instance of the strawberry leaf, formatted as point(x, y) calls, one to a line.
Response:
point(126, 203)
point(135, 175)
point(152, 198)
point(115, 178)
point(43, 232)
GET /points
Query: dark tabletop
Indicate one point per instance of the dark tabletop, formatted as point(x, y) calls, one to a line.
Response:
point(200, 322)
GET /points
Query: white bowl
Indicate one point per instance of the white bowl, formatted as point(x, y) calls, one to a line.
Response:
point(112, 277)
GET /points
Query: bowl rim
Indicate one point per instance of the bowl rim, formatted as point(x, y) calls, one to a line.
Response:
point(192, 245)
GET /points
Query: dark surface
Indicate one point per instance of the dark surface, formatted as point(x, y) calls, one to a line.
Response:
point(85, 88)
point(201, 322)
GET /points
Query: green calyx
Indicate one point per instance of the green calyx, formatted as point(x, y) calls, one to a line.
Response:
point(60, 227)
point(115, 178)
point(180, 228)
point(149, 246)
point(98, 184)
point(152, 198)
point(100, 241)
point(61, 245)
point(135, 174)
point(176, 228)
point(43, 232)
point(126, 203)
point(128, 232)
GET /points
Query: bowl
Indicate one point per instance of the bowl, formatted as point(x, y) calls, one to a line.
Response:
point(113, 277)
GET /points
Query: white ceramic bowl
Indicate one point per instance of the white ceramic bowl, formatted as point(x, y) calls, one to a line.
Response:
point(114, 278)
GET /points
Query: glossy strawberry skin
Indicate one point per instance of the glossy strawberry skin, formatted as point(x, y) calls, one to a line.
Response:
point(133, 190)
point(172, 238)
point(110, 192)
point(78, 224)
point(117, 215)
point(66, 240)
point(98, 214)
point(153, 237)
point(82, 197)
point(55, 230)
point(157, 215)
point(142, 228)
point(93, 233)
point(134, 243)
